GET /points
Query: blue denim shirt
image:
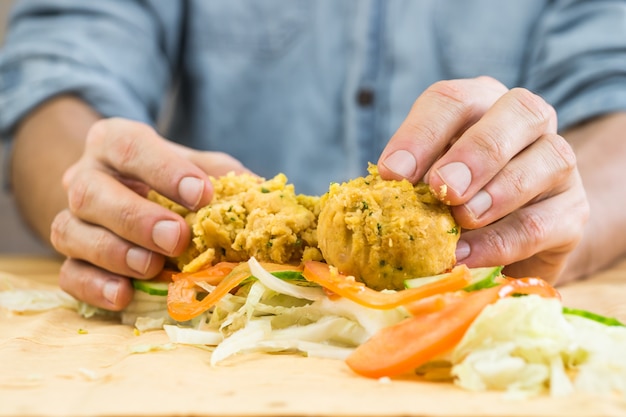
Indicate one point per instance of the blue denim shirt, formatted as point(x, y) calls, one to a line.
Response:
point(311, 88)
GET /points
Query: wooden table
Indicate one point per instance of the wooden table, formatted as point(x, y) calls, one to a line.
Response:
point(50, 368)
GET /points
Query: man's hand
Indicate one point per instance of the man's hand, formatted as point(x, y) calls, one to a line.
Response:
point(110, 231)
point(495, 157)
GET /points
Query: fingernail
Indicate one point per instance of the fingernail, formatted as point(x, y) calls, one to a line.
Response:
point(456, 176)
point(190, 190)
point(165, 235)
point(401, 163)
point(110, 291)
point(138, 259)
point(479, 204)
point(462, 250)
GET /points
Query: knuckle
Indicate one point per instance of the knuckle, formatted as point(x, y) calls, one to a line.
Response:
point(533, 228)
point(450, 92)
point(123, 138)
point(489, 142)
point(100, 248)
point(125, 149)
point(489, 80)
point(72, 281)
point(496, 243)
point(541, 113)
point(566, 156)
point(79, 194)
point(58, 230)
point(127, 216)
point(517, 181)
point(97, 133)
point(426, 132)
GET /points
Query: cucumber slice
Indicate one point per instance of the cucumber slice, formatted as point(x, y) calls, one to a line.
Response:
point(609, 321)
point(149, 287)
point(288, 275)
point(483, 277)
point(294, 277)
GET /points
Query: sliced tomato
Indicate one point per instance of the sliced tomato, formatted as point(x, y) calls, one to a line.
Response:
point(528, 285)
point(413, 342)
point(347, 286)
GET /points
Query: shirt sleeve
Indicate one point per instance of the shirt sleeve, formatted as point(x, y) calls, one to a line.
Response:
point(578, 59)
point(116, 55)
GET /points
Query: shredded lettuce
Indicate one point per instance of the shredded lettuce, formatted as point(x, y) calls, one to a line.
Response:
point(190, 336)
point(35, 301)
point(270, 315)
point(282, 286)
point(525, 345)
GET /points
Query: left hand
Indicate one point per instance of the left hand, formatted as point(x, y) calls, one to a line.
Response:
point(495, 157)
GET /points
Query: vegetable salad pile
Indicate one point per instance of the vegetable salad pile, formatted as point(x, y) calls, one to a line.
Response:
point(475, 327)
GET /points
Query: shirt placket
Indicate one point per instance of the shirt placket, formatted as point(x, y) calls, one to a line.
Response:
point(363, 87)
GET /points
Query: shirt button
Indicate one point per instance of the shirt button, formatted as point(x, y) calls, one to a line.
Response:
point(365, 97)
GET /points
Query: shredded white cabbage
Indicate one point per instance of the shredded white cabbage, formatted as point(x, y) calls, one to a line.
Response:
point(283, 287)
point(525, 345)
point(271, 315)
point(189, 336)
point(34, 301)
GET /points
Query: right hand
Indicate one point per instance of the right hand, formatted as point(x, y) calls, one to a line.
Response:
point(110, 231)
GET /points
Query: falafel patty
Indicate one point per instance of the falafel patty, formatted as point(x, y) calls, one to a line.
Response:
point(249, 216)
point(383, 232)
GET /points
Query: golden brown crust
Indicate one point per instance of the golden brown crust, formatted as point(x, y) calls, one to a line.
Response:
point(384, 232)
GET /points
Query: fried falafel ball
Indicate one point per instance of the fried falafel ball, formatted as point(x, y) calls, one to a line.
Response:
point(383, 232)
point(249, 216)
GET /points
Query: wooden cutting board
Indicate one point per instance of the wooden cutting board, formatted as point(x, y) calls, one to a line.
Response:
point(49, 368)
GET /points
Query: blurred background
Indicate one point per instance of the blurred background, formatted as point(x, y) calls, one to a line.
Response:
point(15, 237)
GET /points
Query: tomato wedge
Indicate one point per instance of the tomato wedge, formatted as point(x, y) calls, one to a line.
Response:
point(519, 286)
point(413, 342)
point(346, 286)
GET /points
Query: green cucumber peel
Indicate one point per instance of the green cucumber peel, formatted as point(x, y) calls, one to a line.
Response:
point(294, 277)
point(149, 287)
point(483, 277)
point(608, 321)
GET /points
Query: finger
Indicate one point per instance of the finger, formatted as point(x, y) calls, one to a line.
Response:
point(439, 115)
point(100, 247)
point(215, 164)
point(95, 286)
point(135, 150)
point(128, 215)
point(534, 240)
point(516, 120)
point(540, 171)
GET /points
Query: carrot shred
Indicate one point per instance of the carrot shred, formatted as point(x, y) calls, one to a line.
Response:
point(435, 302)
point(182, 302)
point(211, 275)
point(347, 286)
